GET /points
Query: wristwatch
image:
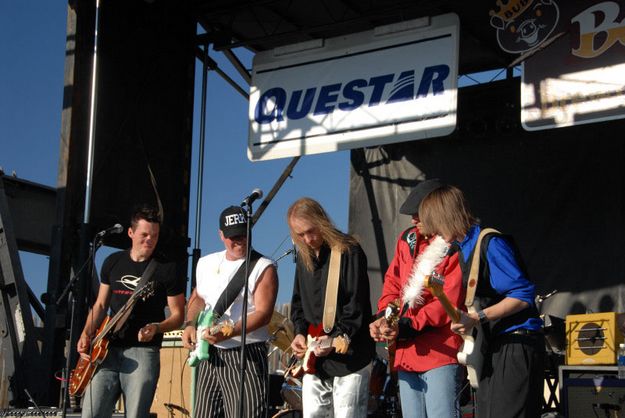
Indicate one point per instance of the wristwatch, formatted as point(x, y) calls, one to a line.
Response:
point(482, 316)
point(187, 323)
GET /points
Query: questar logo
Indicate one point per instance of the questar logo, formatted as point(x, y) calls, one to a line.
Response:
point(278, 103)
point(130, 282)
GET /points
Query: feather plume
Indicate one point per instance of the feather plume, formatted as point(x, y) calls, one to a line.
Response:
point(425, 264)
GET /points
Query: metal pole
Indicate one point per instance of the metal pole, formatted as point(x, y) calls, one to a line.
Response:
point(243, 366)
point(200, 168)
point(92, 117)
point(198, 203)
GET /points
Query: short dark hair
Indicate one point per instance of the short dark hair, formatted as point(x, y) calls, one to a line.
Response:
point(146, 212)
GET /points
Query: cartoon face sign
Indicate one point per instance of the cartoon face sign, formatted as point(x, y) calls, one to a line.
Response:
point(523, 24)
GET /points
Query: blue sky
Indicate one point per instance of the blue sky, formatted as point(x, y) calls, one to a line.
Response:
point(32, 47)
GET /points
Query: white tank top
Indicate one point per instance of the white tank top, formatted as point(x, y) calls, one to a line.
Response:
point(214, 272)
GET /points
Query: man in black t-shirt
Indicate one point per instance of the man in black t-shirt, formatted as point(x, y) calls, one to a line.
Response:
point(132, 363)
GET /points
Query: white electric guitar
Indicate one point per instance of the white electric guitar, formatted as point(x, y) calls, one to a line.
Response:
point(470, 354)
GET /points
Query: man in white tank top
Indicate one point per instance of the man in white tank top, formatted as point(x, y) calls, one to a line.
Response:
point(218, 378)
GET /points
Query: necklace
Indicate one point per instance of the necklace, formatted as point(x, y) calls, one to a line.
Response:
point(219, 265)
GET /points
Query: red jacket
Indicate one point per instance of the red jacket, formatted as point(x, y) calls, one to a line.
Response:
point(436, 345)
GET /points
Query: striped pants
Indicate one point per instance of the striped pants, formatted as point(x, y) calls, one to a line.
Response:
point(218, 379)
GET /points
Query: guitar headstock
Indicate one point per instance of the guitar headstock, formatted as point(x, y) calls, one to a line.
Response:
point(434, 281)
point(146, 291)
point(227, 327)
point(341, 344)
point(391, 314)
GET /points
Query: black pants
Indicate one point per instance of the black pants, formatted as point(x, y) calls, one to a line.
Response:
point(218, 383)
point(513, 378)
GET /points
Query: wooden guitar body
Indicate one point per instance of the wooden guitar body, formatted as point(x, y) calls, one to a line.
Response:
point(86, 367)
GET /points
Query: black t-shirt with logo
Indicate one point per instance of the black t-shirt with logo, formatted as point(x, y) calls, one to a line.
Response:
point(122, 274)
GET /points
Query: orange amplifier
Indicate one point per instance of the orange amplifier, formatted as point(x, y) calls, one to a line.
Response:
point(592, 339)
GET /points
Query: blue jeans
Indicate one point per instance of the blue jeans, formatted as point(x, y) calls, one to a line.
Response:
point(431, 394)
point(132, 371)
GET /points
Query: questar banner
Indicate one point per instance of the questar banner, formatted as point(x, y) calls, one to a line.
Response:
point(394, 83)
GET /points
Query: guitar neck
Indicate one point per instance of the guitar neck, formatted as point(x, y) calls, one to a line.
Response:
point(437, 290)
point(115, 319)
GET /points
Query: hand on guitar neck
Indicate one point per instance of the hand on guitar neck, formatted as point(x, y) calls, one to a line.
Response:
point(385, 329)
point(315, 345)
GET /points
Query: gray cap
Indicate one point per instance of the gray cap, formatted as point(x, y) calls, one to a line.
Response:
point(416, 196)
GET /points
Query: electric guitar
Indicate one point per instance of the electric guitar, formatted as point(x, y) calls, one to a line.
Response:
point(206, 321)
point(340, 344)
point(470, 354)
point(86, 367)
point(391, 315)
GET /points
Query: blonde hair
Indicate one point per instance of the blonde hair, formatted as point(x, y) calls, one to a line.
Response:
point(310, 210)
point(446, 212)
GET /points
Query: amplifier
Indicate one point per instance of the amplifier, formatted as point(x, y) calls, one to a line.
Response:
point(592, 391)
point(592, 339)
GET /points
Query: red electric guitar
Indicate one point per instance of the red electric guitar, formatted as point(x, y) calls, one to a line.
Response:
point(340, 344)
point(85, 368)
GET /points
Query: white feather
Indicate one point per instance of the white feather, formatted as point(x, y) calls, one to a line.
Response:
point(425, 264)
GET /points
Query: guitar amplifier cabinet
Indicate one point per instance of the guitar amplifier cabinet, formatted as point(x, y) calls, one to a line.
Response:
point(592, 339)
point(592, 391)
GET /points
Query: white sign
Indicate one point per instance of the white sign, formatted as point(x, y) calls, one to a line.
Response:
point(578, 79)
point(394, 83)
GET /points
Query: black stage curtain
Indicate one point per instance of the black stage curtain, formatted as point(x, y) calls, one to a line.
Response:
point(146, 57)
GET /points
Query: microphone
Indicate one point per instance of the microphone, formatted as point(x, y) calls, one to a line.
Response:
point(115, 229)
point(256, 194)
point(290, 251)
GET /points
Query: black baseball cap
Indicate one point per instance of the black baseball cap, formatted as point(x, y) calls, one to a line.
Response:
point(232, 222)
point(416, 196)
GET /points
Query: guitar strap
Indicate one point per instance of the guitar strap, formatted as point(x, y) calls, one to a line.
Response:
point(235, 285)
point(474, 273)
point(145, 277)
point(332, 290)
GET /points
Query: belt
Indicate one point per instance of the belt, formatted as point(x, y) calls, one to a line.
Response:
point(525, 331)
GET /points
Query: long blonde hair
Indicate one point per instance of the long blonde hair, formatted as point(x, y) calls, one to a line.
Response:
point(445, 211)
point(310, 210)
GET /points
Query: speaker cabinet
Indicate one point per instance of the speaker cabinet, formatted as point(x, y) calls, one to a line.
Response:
point(589, 391)
point(592, 339)
point(173, 392)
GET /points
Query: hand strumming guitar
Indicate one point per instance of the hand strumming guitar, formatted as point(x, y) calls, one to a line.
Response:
point(299, 346)
point(188, 336)
point(148, 332)
point(465, 324)
point(84, 346)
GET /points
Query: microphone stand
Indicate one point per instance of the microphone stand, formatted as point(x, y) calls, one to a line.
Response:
point(96, 243)
point(248, 253)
